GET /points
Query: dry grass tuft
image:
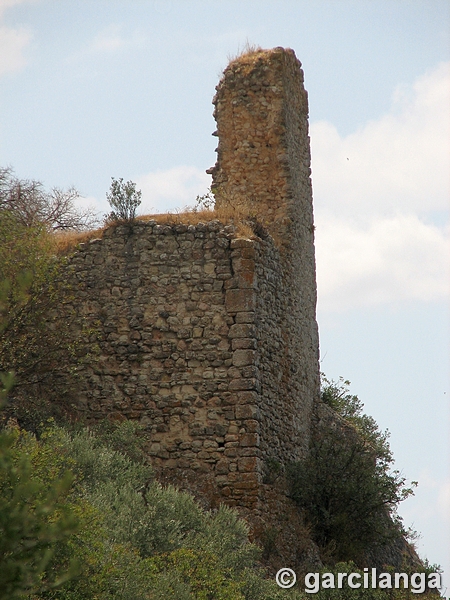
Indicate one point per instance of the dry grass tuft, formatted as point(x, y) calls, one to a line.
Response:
point(225, 214)
point(247, 51)
point(65, 241)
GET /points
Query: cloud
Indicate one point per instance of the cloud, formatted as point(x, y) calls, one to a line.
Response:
point(376, 194)
point(401, 161)
point(109, 41)
point(4, 4)
point(172, 189)
point(13, 42)
point(112, 39)
point(390, 260)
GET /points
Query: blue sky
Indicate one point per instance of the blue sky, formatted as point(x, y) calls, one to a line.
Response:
point(95, 89)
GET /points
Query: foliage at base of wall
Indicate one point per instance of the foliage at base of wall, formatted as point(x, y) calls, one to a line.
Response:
point(130, 537)
point(108, 530)
point(346, 486)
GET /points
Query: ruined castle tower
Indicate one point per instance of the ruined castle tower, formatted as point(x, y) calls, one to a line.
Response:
point(263, 169)
point(206, 337)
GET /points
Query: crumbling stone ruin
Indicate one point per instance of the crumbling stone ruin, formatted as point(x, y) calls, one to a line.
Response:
point(207, 337)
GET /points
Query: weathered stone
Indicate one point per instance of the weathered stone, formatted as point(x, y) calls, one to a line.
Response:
point(239, 300)
point(209, 338)
point(249, 439)
point(222, 467)
point(243, 357)
point(242, 330)
point(247, 411)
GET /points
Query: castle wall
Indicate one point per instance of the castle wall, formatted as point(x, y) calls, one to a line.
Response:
point(208, 338)
point(175, 350)
point(263, 170)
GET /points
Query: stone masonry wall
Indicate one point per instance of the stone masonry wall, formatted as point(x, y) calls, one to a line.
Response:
point(263, 169)
point(170, 353)
point(208, 338)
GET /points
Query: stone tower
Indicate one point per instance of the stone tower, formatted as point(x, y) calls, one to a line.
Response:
point(263, 168)
point(206, 337)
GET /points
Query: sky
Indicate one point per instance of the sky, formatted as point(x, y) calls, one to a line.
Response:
point(96, 89)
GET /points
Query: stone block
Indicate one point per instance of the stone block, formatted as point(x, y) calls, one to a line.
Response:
point(242, 358)
point(248, 439)
point(222, 466)
point(246, 411)
point(252, 425)
point(243, 264)
point(247, 397)
point(245, 279)
point(248, 464)
point(245, 317)
point(237, 300)
point(242, 330)
point(241, 243)
point(243, 343)
point(242, 384)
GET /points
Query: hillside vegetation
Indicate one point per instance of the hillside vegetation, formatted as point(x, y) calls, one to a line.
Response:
point(81, 515)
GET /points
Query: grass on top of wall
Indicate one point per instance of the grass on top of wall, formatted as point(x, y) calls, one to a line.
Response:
point(66, 241)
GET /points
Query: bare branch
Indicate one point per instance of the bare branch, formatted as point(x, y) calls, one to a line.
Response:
point(32, 205)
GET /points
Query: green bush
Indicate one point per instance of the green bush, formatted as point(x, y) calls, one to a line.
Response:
point(346, 485)
point(31, 295)
point(123, 199)
point(35, 516)
point(136, 539)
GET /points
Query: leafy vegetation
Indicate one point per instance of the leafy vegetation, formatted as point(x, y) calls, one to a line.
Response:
point(124, 199)
point(31, 294)
point(346, 485)
point(110, 531)
point(81, 516)
point(34, 516)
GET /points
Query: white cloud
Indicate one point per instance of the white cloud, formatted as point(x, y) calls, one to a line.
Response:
point(110, 40)
point(172, 189)
point(392, 259)
point(444, 502)
point(12, 45)
point(13, 42)
point(4, 4)
point(375, 192)
point(401, 161)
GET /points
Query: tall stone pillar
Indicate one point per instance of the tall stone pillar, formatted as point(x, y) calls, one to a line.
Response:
point(263, 173)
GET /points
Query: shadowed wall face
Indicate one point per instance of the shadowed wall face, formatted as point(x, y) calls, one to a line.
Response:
point(207, 338)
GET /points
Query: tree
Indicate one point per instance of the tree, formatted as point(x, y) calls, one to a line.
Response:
point(124, 199)
point(346, 484)
point(34, 516)
point(32, 205)
point(32, 295)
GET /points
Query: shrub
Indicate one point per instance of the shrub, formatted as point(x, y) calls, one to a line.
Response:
point(34, 516)
point(31, 295)
point(137, 539)
point(123, 199)
point(346, 485)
